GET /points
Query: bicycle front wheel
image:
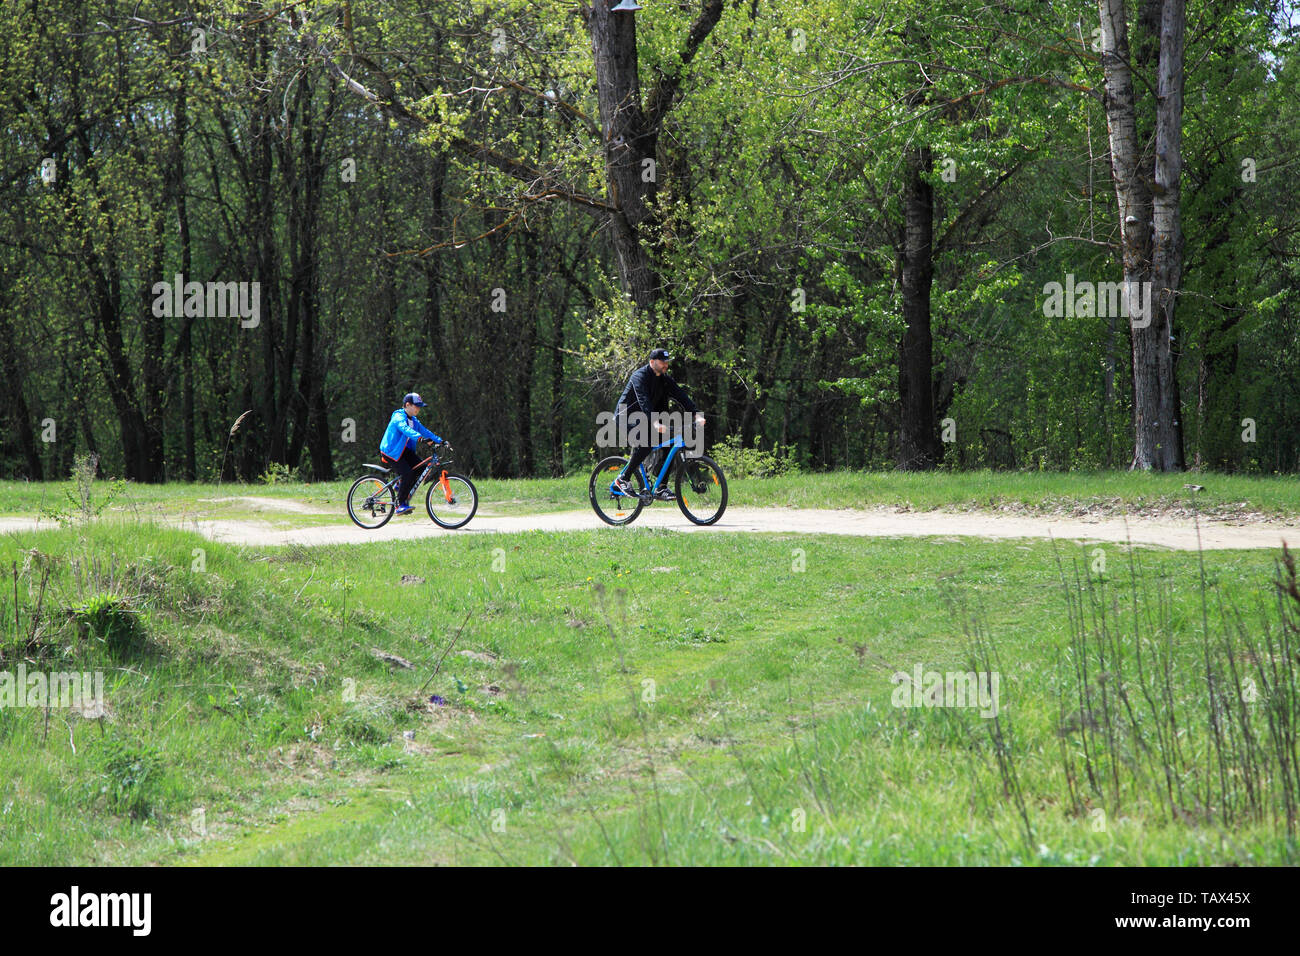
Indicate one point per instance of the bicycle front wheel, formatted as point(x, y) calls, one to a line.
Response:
point(611, 506)
point(451, 503)
point(371, 502)
point(701, 490)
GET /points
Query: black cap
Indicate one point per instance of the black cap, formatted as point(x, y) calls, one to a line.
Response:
point(661, 354)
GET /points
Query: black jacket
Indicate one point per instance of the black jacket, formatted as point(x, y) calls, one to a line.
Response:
point(647, 392)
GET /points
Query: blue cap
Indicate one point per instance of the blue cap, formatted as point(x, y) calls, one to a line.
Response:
point(414, 399)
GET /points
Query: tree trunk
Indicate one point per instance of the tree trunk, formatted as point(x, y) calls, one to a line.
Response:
point(918, 440)
point(1167, 261)
point(311, 426)
point(433, 367)
point(117, 369)
point(186, 344)
point(17, 405)
point(153, 380)
point(628, 143)
point(528, 355)
point(265, 439)
point(557, 395)
point(1151, 237)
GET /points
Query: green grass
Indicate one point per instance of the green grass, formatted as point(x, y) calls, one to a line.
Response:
point(245, 685)
point(1099, 492)
point(1112, 492)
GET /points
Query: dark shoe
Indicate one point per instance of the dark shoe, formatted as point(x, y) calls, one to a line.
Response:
point(663, 494)
point(623, 486)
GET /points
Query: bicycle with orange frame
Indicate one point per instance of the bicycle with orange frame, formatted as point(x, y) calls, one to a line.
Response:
point(451, 500)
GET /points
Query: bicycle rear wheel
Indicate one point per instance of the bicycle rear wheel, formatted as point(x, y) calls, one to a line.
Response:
point(611, 506)
point(451, 506)
point(701, 490)
point(371, 502)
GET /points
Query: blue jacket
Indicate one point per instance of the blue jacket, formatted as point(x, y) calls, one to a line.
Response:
point(402, 433)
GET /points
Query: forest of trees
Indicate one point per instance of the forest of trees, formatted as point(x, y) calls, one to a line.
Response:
point(877, 233)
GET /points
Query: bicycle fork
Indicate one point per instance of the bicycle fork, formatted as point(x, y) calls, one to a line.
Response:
point(442, 483)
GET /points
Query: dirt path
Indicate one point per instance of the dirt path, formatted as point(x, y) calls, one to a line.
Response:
point(1170, 533)
point(1178, 534)
point(285, 505)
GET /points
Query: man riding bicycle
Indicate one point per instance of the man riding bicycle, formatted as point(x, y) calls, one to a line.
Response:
point(397, 450)
point(648, 391)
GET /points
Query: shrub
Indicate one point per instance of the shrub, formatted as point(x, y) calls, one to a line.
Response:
point(132, 777)
point(112, 620)
point(81, 503)
point(278, 473)
point(741, 462)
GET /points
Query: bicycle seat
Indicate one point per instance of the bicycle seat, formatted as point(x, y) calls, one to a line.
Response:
point(367, 464)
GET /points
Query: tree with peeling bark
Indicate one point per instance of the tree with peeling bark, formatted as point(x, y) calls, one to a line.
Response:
point(1146, 170)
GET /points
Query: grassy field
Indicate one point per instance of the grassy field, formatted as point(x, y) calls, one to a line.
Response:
point(639, 696)
point(1225, 496)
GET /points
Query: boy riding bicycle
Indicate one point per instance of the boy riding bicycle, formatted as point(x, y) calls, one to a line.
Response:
point(397, 449)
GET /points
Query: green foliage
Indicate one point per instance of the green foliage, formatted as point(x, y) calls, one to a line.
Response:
point(689, 635)
point(480, 164)
point(111, 619)
point(277, 473)
point(130, 776)
point(771, 693)
point(81, 501)
point(360, 730)
point(738, 461)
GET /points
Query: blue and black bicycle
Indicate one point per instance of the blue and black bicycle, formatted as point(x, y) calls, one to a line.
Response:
point(698, 486)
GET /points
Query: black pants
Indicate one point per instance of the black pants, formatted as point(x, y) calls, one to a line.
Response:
point(405, 467)
point(639, 454)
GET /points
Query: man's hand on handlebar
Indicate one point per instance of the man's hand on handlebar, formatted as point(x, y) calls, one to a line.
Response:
point(661, 428)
